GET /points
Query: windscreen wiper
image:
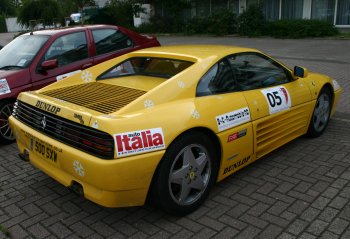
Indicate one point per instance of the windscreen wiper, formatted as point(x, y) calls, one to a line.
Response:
point(9, 67)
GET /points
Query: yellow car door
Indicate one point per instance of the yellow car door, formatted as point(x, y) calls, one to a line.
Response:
point(228, 115)
point(280, 105)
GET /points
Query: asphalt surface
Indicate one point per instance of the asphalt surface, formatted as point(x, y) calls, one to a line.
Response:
point(301, 190)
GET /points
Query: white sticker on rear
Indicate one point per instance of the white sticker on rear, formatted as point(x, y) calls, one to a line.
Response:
point(4, 87)
point(139, 141)
point(61, 77)
point(277, 98)
point(233, 118)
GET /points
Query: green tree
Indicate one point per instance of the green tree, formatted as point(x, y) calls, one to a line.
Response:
point(45, 10)
point(7, 7)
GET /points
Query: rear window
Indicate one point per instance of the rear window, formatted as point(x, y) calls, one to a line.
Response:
point(156, 67)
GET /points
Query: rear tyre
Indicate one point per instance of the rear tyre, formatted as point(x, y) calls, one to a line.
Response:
point(185, 175)
point(6, 136)
point(321, 114)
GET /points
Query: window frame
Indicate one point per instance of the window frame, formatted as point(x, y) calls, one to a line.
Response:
point(116, 31)
point(166, 77)
point(58, 37)
point(286, 70)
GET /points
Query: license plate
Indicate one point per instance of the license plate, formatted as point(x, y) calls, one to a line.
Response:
point(44, 149)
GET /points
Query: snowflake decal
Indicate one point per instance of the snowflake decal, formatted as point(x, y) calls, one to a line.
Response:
point(181, 84)
point(95, 125)
point(78, 167)
point(148, 103)
point(195, 114)
point(86, 76)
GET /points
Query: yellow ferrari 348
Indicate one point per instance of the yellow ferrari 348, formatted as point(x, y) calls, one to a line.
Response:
point(166, 123)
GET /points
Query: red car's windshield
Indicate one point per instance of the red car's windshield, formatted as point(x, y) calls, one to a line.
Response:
point(20, 52)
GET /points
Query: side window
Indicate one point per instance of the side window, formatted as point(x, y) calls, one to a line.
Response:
point(253, 71)
point(68, 49)
point(109, 40)
point(219, 79)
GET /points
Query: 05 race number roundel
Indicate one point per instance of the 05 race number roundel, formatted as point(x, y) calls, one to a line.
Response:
point(277, 98)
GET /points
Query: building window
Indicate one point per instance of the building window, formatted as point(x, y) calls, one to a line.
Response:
point(271, 9)
point(323, 10)
point(292, 9)
point(251, 2)
point(343, 12)
point(233, 5)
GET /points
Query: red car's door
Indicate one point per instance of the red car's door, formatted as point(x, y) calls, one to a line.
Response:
point(71, 51)
point(110, 43)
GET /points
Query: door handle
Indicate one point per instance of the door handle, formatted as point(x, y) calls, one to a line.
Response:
point(87, 65)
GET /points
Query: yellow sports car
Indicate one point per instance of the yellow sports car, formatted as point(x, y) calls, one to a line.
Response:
point(166, 123)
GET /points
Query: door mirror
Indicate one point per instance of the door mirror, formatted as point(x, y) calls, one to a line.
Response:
point(300, 71)
point(49, 64)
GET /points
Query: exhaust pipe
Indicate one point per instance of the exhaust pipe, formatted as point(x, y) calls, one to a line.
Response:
point(24, 156)
point(77, 188)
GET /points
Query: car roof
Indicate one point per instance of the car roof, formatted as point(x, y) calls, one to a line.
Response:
point(195, 51)
point(60, 31)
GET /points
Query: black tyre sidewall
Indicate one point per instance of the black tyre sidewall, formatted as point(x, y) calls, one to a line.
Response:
point(160, 192)
point(2, 139)
point(312, 132)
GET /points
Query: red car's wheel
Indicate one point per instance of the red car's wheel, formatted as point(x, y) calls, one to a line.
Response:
point(6, 135)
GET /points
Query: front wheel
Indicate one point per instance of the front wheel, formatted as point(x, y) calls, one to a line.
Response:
point(6, 136)
point(321, 114)
point(185, 174)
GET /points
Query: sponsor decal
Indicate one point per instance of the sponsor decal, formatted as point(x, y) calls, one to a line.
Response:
point(236, 165)
point(79, 117)
point(48, 107)
point(140, 141)
point(4, 87)
point(78, 168)
point(236, 135)
point(277, 98)
point(61, 77)
point(233, 118)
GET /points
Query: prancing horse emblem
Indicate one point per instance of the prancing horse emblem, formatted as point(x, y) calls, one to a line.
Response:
point(43, 122)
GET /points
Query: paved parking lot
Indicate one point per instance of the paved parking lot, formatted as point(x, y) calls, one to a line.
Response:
point(302, 190)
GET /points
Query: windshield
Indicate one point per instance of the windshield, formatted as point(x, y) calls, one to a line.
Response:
point(20, 52)
point(156, 67)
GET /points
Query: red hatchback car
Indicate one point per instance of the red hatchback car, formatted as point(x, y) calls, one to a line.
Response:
point(36, 59)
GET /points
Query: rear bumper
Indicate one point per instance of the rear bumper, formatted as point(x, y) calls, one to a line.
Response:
point(110, 183)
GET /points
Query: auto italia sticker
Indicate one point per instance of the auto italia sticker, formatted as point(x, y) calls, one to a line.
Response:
point(277, 98)
point(140, 141)
point(233, 118)
point(4, 87)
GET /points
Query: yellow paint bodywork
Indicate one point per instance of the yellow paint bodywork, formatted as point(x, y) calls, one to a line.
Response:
point(125, 181)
